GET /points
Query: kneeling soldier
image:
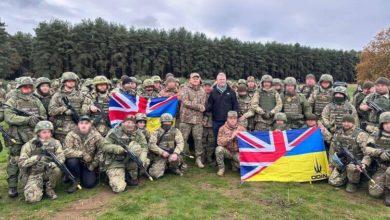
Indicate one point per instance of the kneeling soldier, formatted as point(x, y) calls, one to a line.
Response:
point(227, 143)
point(167, 144)
point(43, 173)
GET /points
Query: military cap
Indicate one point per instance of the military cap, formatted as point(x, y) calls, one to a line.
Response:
point(126, 80)
point(155, 78)
point(194, 75)
point(310, 76)
point(85, 118)
point(232, 114)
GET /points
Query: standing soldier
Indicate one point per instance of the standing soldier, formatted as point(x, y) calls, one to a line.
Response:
point(381, 98)
point(96, 104)
point(227, 143)
point(355, 140)
point(148, 89)
point(333, 113)
point(251, 82)
point(277, 84)
point(322, 96)
point(295, 105)
point(193, 99)
point(380, 153)
point(21, 128)
point(87, 86)
point(244, 102)
point(43, 91)
point(170, 88)
point(43, 172)
point(127, 86)
point(265, 103)
point(156, 83)
point(2, 92)
point(166, 143)
point(65, 105)
point(309, 87)
point(208, 135)
point(367, 88)
point(117, 165)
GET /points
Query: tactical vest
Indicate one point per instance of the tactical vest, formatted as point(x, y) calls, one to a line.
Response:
point(382, 102)
point(306, 90)
point(168, 140)
point(244, 104)
point(292, 107)
point(384, 143)
point(337, 112)
point(39, 167)
point(101, 101)
point(350, 142)
point(267, 100)
point(321, 100)
point(76, 100)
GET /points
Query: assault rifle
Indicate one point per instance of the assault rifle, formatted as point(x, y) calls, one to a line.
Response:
point(101, 116)
point(20, 112)
point(170, 150)
point(75, 115)
point(375, 107)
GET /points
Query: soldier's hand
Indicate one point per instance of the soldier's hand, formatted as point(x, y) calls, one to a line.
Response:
point(120, 151)
point(87, 158)
point(202, 108)
point(165, 154)
point(94, 109)
point(33, 120)
point(68, 112)
point(36, 158)
point(51, 165)
point(361, 168)
point(173, 157)
point(364, 107)
point(385, 156)
point(242, 118)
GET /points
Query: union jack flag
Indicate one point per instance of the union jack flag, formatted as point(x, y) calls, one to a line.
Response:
point(260, 150)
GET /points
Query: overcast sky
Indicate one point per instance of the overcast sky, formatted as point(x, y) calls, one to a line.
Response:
point(338, 24)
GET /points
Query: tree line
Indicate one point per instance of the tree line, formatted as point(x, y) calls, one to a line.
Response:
point(98, 47)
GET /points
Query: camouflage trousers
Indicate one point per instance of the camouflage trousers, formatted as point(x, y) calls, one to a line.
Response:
point(33, 190)
point(222, 153)
point(382, 180)
point(161, 164)
point(12, 165)
point(208, 144)
point(117, 179)
point(197, 131)
point(351, 175)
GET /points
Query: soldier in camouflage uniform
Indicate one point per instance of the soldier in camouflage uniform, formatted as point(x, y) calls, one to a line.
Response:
point(118, 164)
point(63, 122)
point(86, 87)
point(251, 83)
point(96, 104)
point(55, 85)
point(355, 139)
point(193, 99)
point(280, 122)
point(2, 100)
point(227, 143)
point(265, 104)
point(295, 105)
point(170, 88)
point(208, 135)
point(334, 112)
point(141, 120)
point(157, 83)
point(43, 91)
point(128, 85)
point(148, 89)
point(381, 98)
point(82, 147)
point(367, 88)
point(277, 84)
point(322, 96)
point(166, 144)
point(21, 128)
point(309, 86)
point(43, 173)
point(380, 154)
point(12, 88)
point(244, 104)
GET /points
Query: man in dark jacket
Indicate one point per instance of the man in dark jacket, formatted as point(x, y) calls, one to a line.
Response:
point(221, 100)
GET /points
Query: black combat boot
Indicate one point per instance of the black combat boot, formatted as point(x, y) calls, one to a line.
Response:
point(387, 197)
point(13, 192)
point(73, 188)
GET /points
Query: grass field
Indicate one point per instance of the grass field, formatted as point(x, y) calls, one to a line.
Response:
point(199, 194)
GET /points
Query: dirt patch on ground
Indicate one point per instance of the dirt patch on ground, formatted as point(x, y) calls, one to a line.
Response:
point(85, 208)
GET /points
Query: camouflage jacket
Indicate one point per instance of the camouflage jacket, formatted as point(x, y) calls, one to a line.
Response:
point(383, 142)
point(333, 114)
point(44, 99)
point(225, 138)
point(192, 102)
point(168, 92)
point(100, 118)
point(257, 107)
point(29, 163)
point(19, 127)
point(172, 139)
point(207, 117)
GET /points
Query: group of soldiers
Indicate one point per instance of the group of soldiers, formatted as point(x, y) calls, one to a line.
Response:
point(61, 126)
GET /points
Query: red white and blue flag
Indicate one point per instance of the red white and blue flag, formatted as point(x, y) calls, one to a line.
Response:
point(293, 155)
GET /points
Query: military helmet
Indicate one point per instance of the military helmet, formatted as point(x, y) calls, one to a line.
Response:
point(384, 117)
point(140, 117)
point(310, 76)
point(266, 77)
point(277, 81)
point(280, 116)
point(326, 77)
point(100, 80)
point(69, 76)
point(25, 81)
point(340, 89)
point(148, 82)
point(383, 80)
point(166, 117)
point(349, 118)
point(43, 125)
point(241, 81)
point(250, 79)
point(242, 88)
point(42, 80)
point(290, 81)
point(368, 85)
point(155, 78)
point(169, 79)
